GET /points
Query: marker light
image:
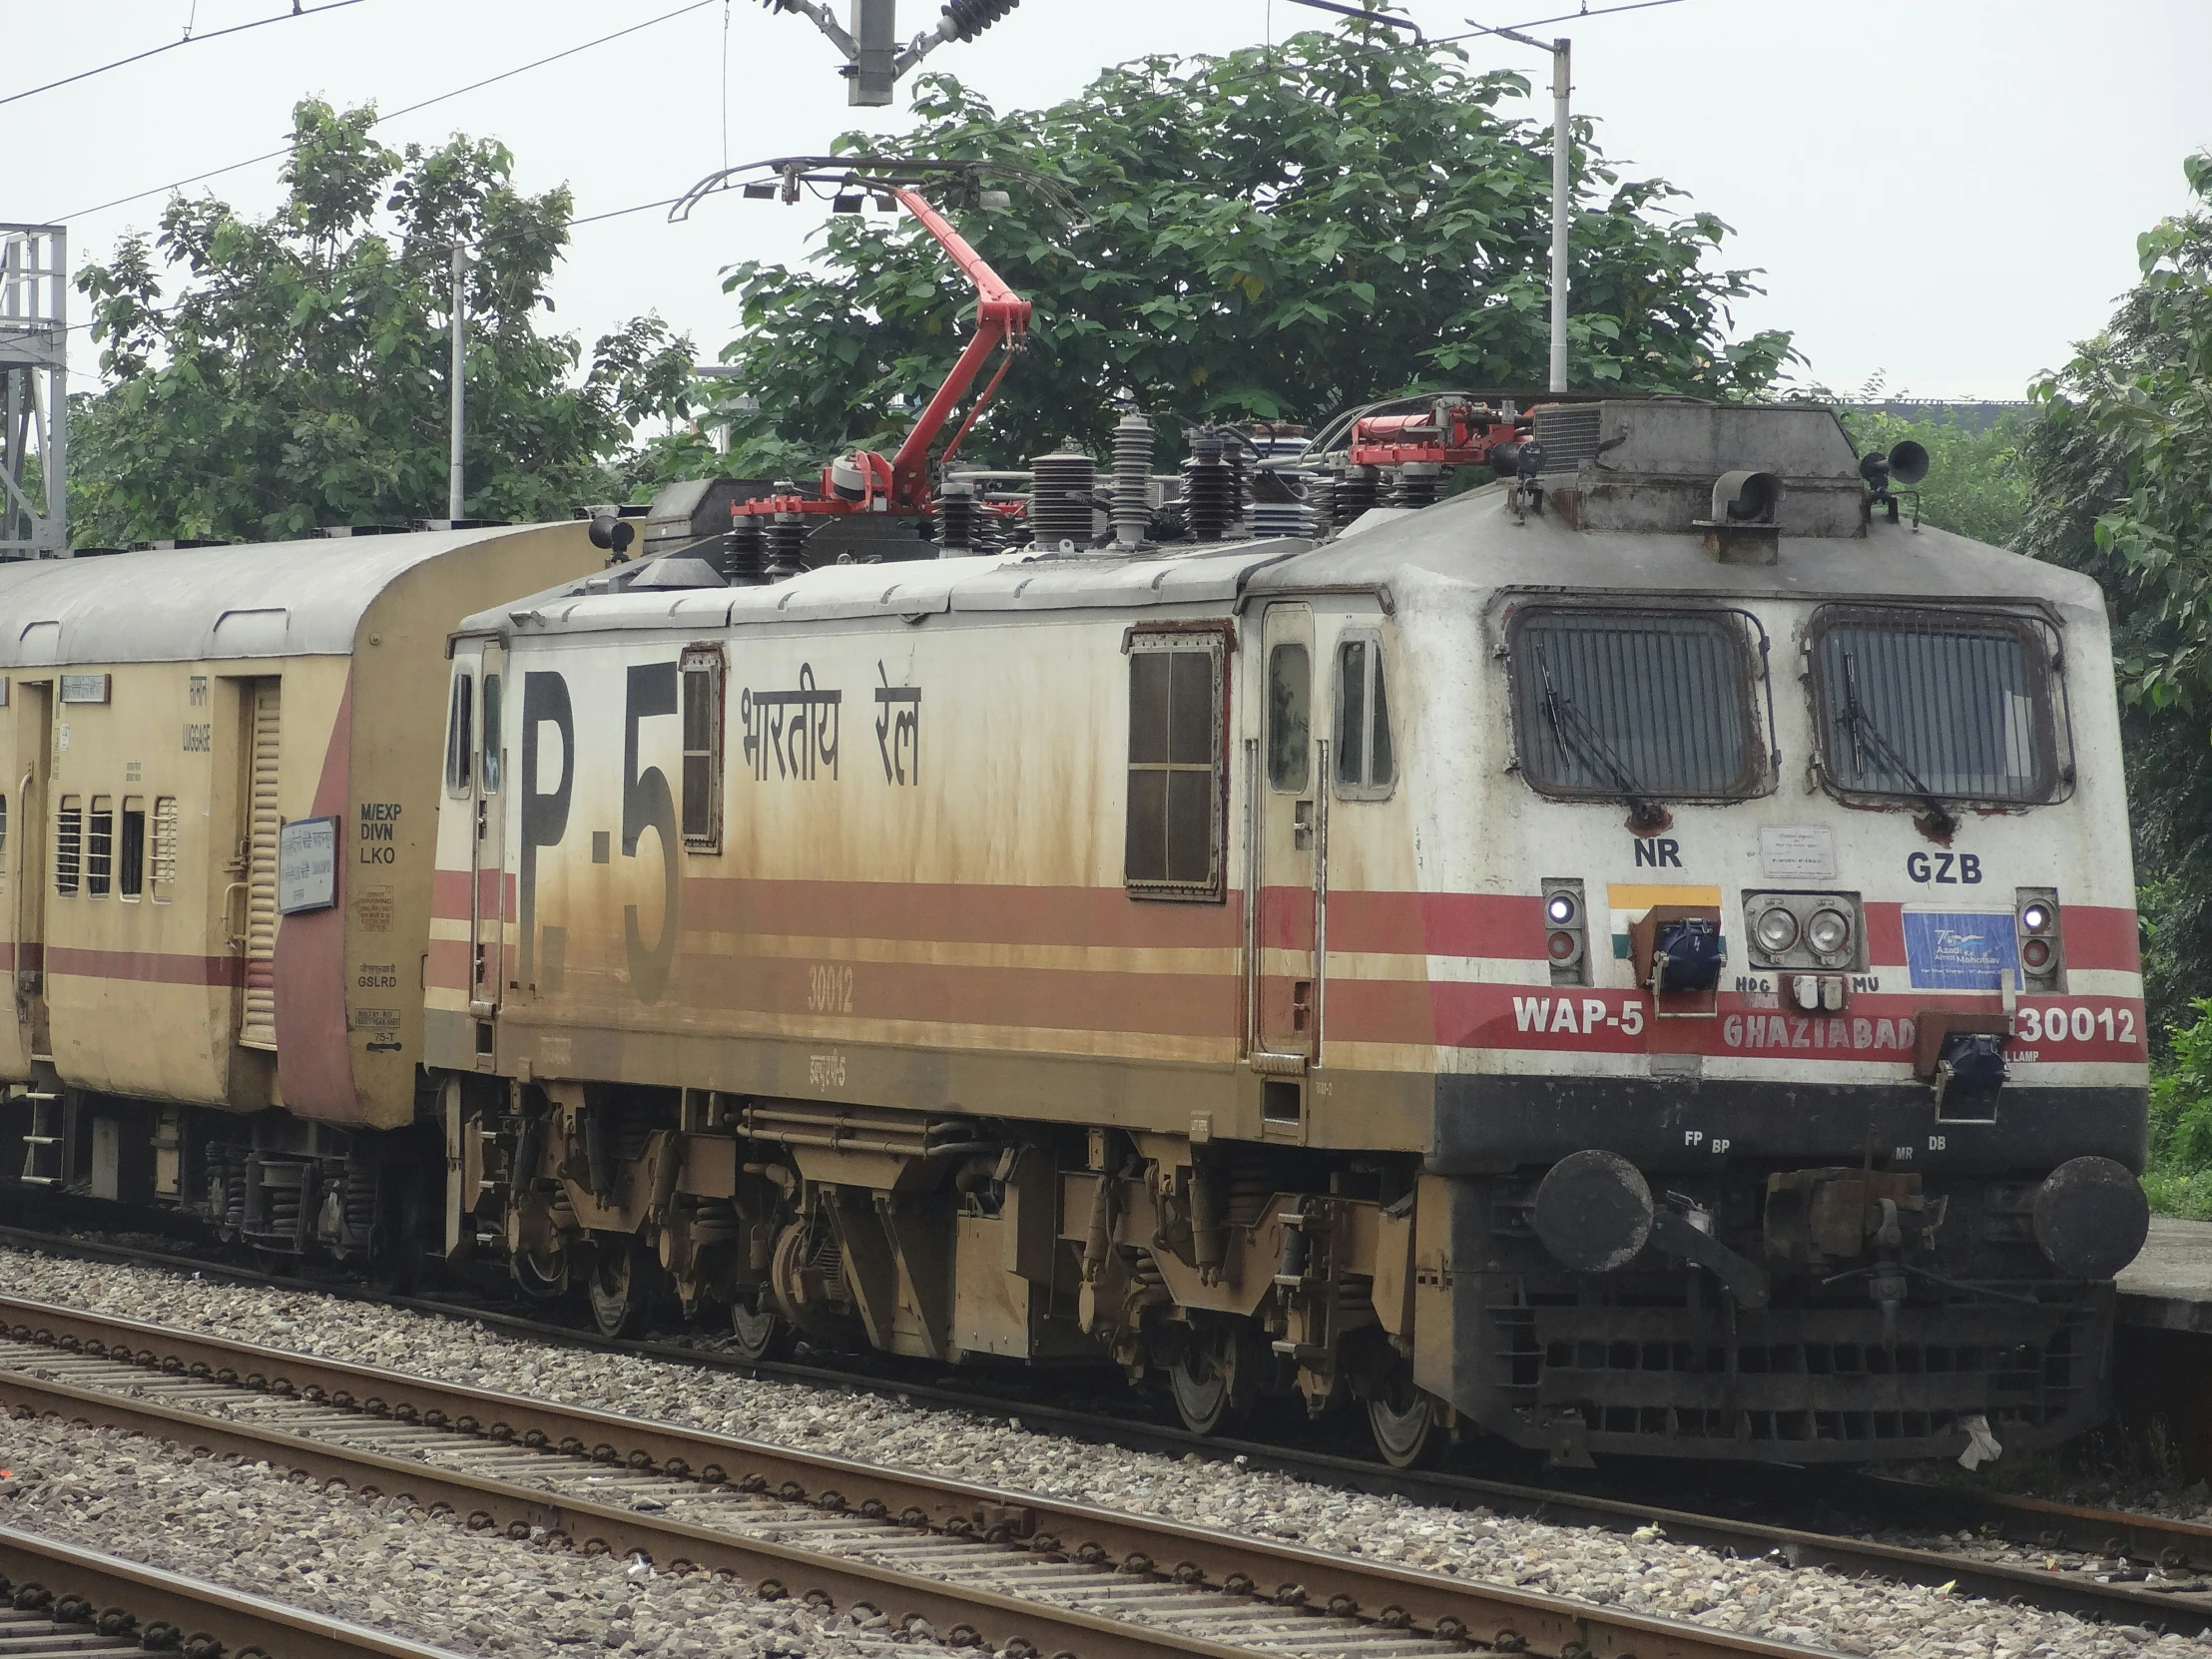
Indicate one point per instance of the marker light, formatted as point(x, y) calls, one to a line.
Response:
point(1777, 930)
point(1829, 932)
point(1561, 908)
point(1564, 947)
point(2036, 954)
point(2035, 916)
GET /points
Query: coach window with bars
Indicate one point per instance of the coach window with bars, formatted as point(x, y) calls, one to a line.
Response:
point(160, 863)
point(702, 712)
point(69, 844)
point(1172, 846)
point(1366, 763)
point(99, 847)
point(130, 873)
point(459, 737)
point(1937, 706)
point(1638, 705)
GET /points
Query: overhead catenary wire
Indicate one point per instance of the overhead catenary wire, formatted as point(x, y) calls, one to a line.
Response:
point(190, 39)
point(394, 115)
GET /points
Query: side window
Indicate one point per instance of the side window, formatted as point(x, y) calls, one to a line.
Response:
point(1290, 723)
point(69, 843)
point(99, 847)
point(130, 876)
point(1175, 834)
point(1367, 760)
point(702, 712)
point(459, 737)
point(492, 733)
point(3, 841)
point(161, 864)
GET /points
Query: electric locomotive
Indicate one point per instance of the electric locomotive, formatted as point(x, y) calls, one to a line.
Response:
point(1637, 957)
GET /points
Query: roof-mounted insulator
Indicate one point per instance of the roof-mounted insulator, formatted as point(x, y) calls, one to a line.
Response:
point(966, 19)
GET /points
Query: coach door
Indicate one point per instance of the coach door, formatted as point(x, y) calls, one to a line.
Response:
point(488, 889)
point(1288, 804)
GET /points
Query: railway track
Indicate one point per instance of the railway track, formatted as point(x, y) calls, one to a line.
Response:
point(59, 1600)
point(2096, 1563)
point(984, 1566)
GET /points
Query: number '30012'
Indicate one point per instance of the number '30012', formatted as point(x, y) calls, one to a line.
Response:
point(2058, 1023)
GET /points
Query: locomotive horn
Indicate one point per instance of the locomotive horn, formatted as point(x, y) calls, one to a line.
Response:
point(1594, 1212)
point(1908, 462)
point(611, 533)
point(2091, 1216)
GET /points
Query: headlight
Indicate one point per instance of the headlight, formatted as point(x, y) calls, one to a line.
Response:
point(1829, 932)
point(1560, 907)
point(1777, 930)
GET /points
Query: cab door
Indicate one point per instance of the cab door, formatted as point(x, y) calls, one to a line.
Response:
point(488, 787)
point(1289, 805)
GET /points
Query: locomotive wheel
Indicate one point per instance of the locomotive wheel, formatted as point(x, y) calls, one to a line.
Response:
point(545, 1280)
point(1404, 1420)
point(1211, 1379)
point(757, 1331)
point(616, 1288)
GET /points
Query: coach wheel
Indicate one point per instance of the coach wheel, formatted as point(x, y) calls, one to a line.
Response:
point(1405, 1422)
point(1210, 1380)
point(616, 1288)
point(757, 1331)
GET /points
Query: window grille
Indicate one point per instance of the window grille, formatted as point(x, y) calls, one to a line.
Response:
point(162, 862)
point(69, 844)
point(1635, 705)
point(702, 712)
point(1944, 704)
point(1175, 830)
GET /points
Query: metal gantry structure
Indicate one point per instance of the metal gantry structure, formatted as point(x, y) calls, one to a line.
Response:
point(34, 385)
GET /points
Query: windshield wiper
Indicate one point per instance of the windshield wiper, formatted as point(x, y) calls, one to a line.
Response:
point(1579, 734)
point(1866, 734)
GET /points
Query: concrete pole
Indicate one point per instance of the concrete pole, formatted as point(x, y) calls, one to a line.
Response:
point(1562, 208)
point(454, 490)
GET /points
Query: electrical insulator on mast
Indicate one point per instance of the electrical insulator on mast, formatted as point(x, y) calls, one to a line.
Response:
point(874, 61)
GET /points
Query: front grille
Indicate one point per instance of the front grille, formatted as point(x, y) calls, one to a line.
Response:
point(1569, 436)
point(1808, 1375)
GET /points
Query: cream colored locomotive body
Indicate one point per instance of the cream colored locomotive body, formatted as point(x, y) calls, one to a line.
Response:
point(1159, 957)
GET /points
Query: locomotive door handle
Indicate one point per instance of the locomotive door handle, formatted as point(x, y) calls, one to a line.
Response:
point(236, 932)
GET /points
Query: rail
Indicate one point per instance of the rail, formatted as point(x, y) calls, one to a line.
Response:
point(1245, 1594)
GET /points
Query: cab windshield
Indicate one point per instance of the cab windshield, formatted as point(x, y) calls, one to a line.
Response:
point(1937, 706)
point(1636, 706)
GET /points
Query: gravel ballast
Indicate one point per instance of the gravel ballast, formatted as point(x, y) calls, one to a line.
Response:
point(1645, 1572)
point(247, 1526)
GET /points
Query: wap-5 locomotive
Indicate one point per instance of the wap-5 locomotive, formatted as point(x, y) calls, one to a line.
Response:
point(1638, 957)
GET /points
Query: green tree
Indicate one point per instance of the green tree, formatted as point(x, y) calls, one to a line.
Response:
point(2119, 464)
point(299, 375)
point(1267, 234)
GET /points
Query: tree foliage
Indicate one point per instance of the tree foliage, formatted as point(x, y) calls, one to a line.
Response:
point(2120, 470)
point(1267, 234)
point(301, 376)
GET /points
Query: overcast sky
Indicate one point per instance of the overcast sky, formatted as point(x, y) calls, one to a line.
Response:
point(1943, 192)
